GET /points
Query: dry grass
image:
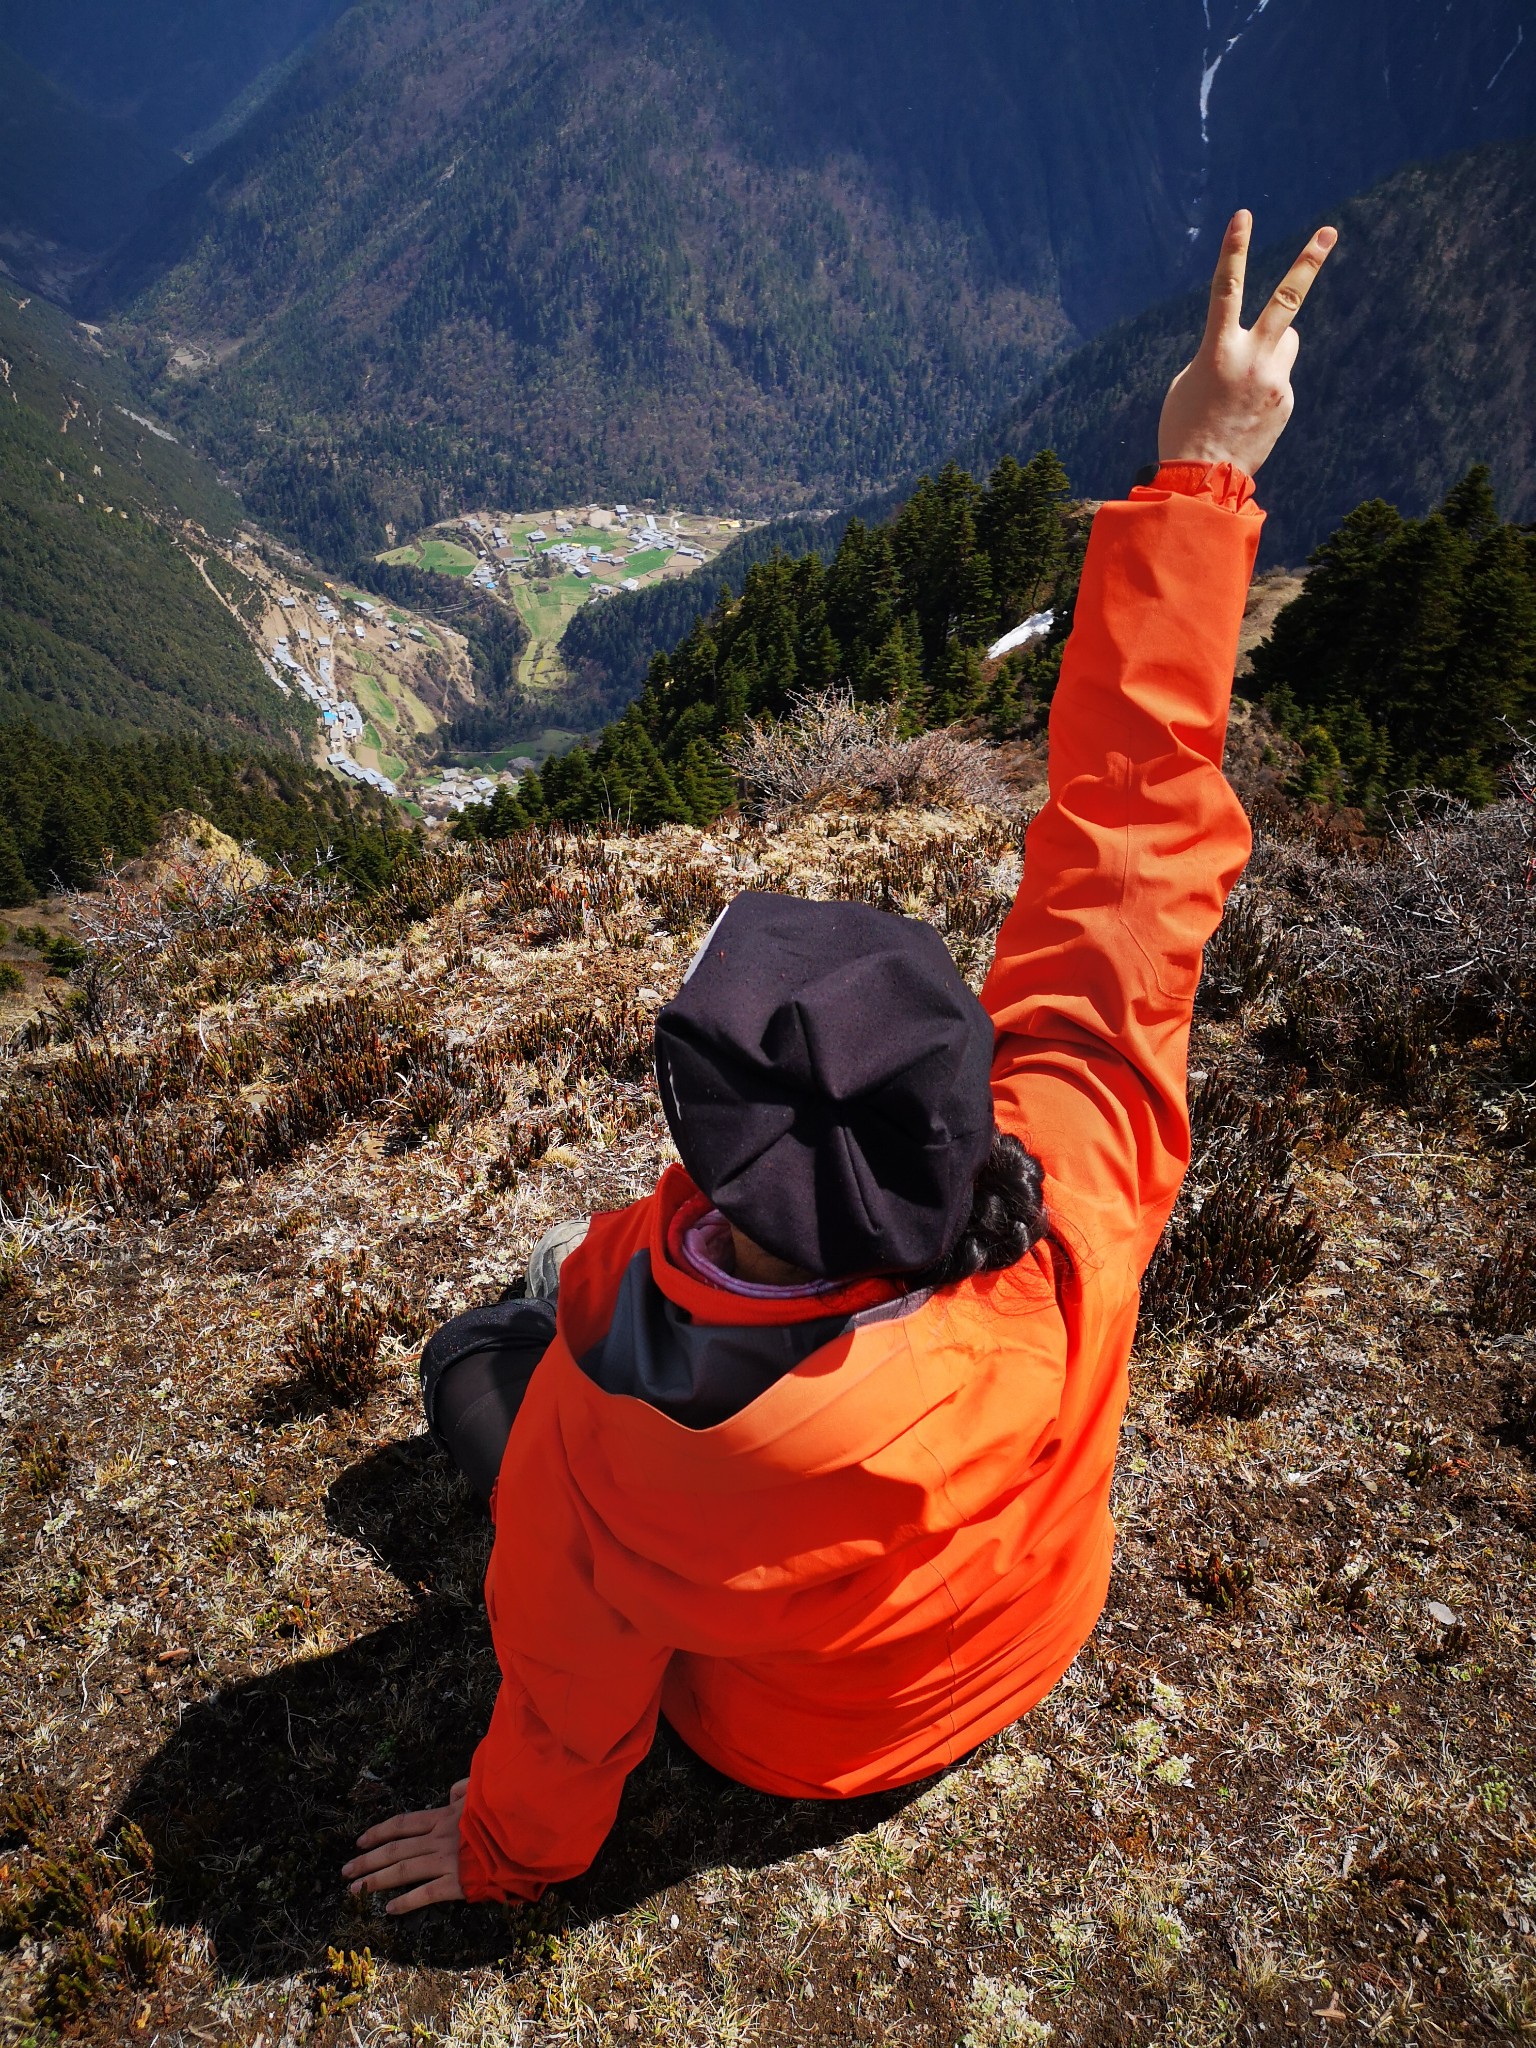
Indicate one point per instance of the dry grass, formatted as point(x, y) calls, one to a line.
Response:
point(1277, 1791)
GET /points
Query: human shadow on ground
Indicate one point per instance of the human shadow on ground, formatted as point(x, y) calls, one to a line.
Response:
point(252, 1805)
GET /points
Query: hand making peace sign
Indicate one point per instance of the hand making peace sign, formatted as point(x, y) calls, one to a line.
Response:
point(1232, 402)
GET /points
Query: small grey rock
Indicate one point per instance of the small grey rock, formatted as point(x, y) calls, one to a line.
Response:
point(1439, 1612)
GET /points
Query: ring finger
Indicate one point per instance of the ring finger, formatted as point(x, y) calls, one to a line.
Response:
point(409, 1870)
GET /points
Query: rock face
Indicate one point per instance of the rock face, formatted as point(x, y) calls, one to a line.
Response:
point(711, 249)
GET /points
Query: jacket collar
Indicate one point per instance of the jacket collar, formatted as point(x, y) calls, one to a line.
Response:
point(677, 1205)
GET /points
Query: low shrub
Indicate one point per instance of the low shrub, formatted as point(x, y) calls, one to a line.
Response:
point(584, 1043)
point(832, 750)
point(1219, 1582)
point(1224, 1386)
point(42, 1461)
point(1238, 1238)
point(681, 899)
point(332, 1347)
point(442, 1091)
point(1242, 958)
point(1504, 1289)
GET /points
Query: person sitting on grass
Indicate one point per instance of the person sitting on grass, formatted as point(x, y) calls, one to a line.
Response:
point(811, 1450)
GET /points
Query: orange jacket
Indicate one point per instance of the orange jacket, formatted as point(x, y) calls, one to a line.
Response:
point(899, 1547)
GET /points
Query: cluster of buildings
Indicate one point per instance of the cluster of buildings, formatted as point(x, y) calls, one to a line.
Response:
point(638, 531)
point(342, 719)
point(458, 788)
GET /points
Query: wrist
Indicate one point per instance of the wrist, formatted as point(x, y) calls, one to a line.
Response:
point(1225, 484)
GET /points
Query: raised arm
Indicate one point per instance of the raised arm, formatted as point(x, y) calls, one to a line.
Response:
point(1129, 863)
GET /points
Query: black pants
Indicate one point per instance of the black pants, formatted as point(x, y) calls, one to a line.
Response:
point(474, 1374)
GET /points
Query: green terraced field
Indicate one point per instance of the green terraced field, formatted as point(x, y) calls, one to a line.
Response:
point(445, 556)
point(545, 612)
point(371, 699)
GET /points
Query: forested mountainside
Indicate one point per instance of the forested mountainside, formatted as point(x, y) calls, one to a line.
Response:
point(1418, 358)
point(777, 257)
point(108, 624)
point(63, 806)
point(127, 688)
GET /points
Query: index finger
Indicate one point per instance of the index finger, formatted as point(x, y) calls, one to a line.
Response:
point(1285, 302)
point(1226, 311)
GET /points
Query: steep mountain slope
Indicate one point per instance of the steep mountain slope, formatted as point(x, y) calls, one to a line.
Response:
point(1418, 359)
point(170, 68)
point(71, 181)
point(778, 257)
point(111, 622)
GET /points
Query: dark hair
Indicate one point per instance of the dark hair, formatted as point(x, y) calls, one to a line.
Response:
point(1007, 1217)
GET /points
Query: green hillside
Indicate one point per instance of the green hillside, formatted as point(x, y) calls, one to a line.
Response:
point(1418, 358)
point(63, 805)
point(108, 626)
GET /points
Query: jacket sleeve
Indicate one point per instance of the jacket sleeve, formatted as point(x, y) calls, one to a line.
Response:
point(580, 1687)
point(1129, 863)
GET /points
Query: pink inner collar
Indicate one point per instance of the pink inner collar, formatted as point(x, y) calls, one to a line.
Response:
point(709, 1254)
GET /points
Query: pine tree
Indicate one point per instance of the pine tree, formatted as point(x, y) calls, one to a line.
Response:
point(1470, 507)
point(71, 843)
point(945, 575)
point(1332, 631)
point(1021, 529)
point(498, 819)
point(960, 686)
point(15, 884)
point(570, 786)
point(1490, 672)
point(863, 602)
point(894, 675)
point(1320, 778)
point(704, 783)
point(1415, 614)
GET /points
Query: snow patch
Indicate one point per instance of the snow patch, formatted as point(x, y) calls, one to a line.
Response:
point(1035, 627)
point(1519, 39)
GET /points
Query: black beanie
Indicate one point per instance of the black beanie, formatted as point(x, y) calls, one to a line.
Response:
point(825, 1073)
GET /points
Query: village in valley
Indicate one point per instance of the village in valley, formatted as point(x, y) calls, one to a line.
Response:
point(383, 680)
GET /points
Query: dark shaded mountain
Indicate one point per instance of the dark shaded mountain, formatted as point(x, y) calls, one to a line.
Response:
point(1418, 359)
point(108, 625)
point(775, 257)
point(172, 70)
point(72, 182)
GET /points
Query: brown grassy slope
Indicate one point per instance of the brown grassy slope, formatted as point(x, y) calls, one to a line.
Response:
point(1275, 1791)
